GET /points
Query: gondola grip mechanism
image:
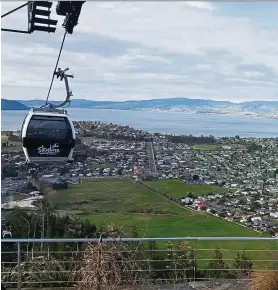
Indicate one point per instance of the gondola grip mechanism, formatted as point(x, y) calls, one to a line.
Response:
point(63, 76)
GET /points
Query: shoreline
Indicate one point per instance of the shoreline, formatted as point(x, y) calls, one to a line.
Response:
point(165, 122)
point(186, 112)
point(173, 110)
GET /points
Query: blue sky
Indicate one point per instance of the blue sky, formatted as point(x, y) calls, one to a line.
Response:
point(144, 50)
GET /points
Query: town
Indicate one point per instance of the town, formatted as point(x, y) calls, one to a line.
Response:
point(245, 169)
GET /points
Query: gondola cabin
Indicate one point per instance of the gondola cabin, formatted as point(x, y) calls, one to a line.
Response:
point(48, 136)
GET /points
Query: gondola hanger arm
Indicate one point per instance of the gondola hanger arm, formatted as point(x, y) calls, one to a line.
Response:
point(63, 76)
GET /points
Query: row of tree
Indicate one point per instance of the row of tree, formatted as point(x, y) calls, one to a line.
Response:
point(191, 140)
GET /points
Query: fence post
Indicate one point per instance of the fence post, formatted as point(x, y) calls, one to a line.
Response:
point(195, 259)
point(18, 266)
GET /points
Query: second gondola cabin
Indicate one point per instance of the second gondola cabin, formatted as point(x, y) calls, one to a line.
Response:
point(48, 136)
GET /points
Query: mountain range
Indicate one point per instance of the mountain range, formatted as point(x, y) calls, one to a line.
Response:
point(186, 105)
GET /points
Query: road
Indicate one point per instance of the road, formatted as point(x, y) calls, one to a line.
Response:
point(152, 165)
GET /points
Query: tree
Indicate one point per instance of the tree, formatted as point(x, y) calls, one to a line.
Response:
point(19, 222)
point(195, 177)
point(190, 195)
point(101, 171)
point(8, 171)
point(243, 265)
point(88, 228)
point(222, 183)
point(186, 261)
point(63, 170)
point(156, 262)
point(120, 171)
point(253, 147)
point(255, 205)
point(134, 234)
point(180, 262)
point(29, 187)
point(60, 185)
point(13, 138)
point(217, 267)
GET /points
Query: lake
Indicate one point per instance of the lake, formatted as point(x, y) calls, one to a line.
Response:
point(165, 122)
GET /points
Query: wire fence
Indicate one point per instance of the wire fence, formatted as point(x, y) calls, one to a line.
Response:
point(128, 262)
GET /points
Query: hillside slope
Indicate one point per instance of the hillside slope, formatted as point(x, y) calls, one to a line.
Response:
point(12, 105)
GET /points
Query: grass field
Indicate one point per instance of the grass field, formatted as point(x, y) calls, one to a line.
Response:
point(16, 145)
point(112, 196)
point(205, 147)
point(212, 147)
point(4, 138)
point(128, 204)
point(177, 188)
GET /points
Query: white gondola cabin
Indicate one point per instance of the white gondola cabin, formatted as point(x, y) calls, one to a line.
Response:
point(48, 136)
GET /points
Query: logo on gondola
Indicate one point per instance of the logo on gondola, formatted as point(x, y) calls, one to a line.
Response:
point(52, 150)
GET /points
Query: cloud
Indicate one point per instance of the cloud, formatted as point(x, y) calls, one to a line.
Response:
point(253, 74)
point(201, 5)
point(144, 50)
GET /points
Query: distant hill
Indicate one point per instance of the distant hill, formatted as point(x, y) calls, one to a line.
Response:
point(132, 105)
point(163, 104)
point(75, 103)
point(254, 108)
point(12, 105)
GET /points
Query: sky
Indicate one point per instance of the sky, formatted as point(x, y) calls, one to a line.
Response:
point(146, 50)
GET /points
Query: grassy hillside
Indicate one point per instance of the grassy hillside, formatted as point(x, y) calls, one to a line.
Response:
point(177, 188)
point(125, 202)
point(12, 105)
point(128, 204)
point(115, 196)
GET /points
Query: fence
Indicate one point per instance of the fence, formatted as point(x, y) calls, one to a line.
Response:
point(118, 262)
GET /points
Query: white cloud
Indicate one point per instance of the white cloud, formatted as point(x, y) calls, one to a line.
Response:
point(201, 5)
point(183, 30)
point(126, 50)
point(253, 74)
point(203, 66)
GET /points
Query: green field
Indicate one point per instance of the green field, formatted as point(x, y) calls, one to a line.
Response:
point(205, 147)
point(16, 147)
point(211, 147)
point(128, 204)
point(177, 188)
point(112, 196)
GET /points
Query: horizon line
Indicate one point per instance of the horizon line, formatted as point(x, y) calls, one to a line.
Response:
point(233, 102)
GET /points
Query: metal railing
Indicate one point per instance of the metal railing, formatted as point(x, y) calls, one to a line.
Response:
point(107, 262)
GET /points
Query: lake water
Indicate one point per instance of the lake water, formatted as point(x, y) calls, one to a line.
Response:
point(165, 122)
